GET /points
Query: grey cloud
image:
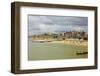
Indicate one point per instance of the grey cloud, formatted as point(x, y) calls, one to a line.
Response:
point(41, 24)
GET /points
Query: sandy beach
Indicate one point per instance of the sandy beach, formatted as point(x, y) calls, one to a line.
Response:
point(77, 43)
point(68, 41)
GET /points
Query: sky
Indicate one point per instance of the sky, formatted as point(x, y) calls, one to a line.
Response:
point(39, 24)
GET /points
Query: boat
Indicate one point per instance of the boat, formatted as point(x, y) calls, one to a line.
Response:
point(81, 52)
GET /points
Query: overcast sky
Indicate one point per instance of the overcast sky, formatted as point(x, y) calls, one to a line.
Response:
point(55, 24)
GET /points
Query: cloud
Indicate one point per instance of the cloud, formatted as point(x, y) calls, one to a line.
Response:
point(55, 24)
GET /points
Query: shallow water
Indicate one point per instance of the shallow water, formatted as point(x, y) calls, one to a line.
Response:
point(52, 51)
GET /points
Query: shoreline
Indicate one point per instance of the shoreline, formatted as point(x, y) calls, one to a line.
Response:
point(71, 43)
point(68, 41)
